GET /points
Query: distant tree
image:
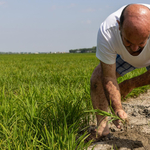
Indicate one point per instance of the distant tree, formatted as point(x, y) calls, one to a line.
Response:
point(84, 50)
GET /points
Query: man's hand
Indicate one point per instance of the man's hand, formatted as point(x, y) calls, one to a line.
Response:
point(122, 114)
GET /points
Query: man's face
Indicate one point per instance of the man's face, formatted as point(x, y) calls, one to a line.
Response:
point(133, 40)
point(134, 47)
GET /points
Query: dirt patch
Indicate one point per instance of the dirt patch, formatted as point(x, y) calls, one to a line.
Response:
point(137, 135)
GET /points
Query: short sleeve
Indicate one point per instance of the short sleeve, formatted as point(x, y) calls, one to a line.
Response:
point(104, 51)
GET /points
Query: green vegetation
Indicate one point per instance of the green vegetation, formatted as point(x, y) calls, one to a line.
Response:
point(43, 99)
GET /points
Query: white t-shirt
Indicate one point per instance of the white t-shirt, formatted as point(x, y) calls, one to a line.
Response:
point(109, 43)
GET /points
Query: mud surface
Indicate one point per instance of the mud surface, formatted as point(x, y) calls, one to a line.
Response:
point(137, 135)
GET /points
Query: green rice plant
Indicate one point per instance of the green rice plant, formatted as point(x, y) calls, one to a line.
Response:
point(51, 125)
point(64, 137)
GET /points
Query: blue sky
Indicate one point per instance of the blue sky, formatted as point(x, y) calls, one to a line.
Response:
point(53, 25)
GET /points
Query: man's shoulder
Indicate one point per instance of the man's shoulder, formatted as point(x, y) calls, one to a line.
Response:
point(111, 20)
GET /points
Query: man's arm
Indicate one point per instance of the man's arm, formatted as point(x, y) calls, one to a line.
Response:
point(128, 85)
point(111, 89)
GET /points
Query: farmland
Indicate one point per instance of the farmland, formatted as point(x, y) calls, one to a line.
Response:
point(43, 99)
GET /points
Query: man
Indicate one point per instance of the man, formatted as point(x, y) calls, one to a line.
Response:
point(122, 46)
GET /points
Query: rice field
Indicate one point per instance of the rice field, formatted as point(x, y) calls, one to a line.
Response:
point(44, 99)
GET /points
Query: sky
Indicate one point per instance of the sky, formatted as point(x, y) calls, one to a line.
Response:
point(53, 25)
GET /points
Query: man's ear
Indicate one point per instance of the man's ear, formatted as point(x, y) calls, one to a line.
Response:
point(118, 23)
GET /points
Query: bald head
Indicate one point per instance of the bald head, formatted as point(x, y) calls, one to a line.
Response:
point(137, 18)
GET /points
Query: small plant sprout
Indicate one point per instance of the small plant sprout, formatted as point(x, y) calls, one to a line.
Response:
point(111, 115)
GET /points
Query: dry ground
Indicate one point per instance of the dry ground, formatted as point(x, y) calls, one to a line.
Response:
point(137, 135)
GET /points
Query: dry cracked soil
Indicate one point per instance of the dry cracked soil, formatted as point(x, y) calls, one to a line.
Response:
point(137, 134)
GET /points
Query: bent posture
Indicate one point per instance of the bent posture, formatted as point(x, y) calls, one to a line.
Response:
point(122, 46)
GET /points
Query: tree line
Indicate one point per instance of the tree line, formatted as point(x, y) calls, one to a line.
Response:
point(84, 50)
